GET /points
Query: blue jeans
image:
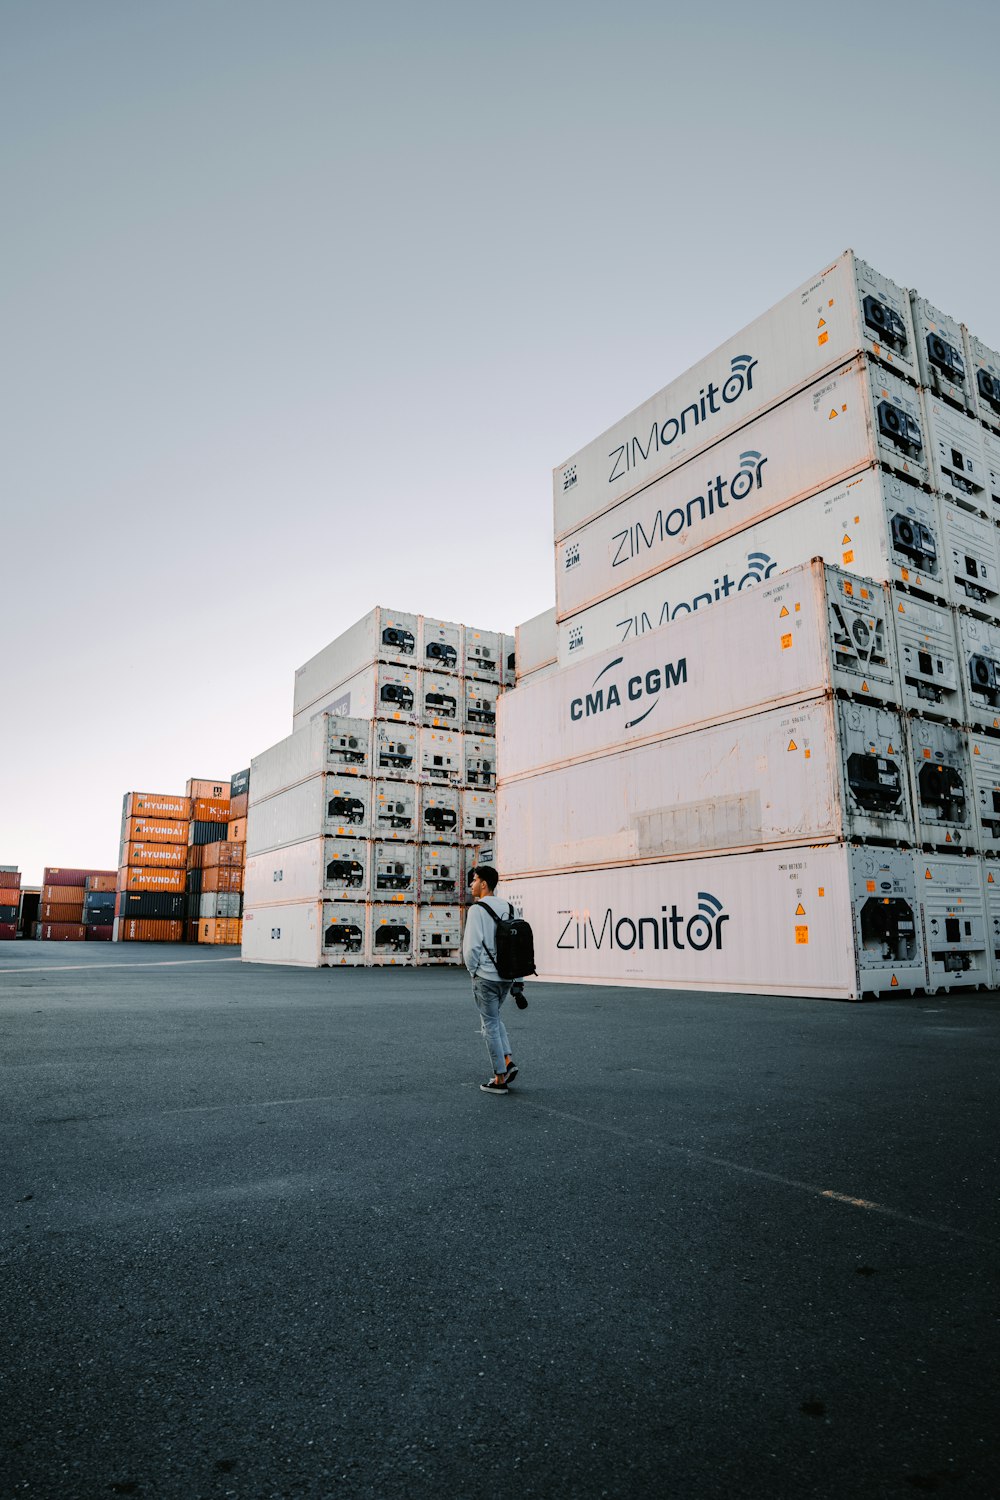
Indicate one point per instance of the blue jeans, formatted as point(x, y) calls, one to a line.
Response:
point(489, 995)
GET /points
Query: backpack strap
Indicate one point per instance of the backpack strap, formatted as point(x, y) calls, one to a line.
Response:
point(496, 923)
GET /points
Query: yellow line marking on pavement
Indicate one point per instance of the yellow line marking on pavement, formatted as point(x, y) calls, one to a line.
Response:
point(156, 963)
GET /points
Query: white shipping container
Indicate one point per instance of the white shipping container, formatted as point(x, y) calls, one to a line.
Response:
point(930, 669)
point(480, 755)
point(942, 785)
point(439, 934)
point(508, 660)
point(442, 756)
point(991, 889)
point(327, 743)
point(308, 871)
point(940, 353)
point(983, 364)
point(991, 458)
point(969, 546)
point(953, 918)
point(979, 657)
point(382, 634)
point(394, 871)
point(809, 443)
point(957, 457)
point(335, 805)
point(288, 934)
point(480, 706)
point(382, 690)
point(392, 934)
point(873, 525)
point(847, 309)
point(215, 904)
point(440, 873)
point(984, 758)
point(801, 634)
point(536, 644)
point(800, 775)
point(395, 749)
point(440, 812)
point(345, 933)
point(441, 701)
point(482, 652)
point(439, 645)
point(833, 921)
point(479, 816)
point(395, 810)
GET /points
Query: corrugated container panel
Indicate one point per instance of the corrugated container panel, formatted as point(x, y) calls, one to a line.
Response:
point(62, 932)
point(100, 933)
point(818, 328)
point(106, 882)
point(141, 930)
point(143, 879)
point(64, 895)
point(439, 934)
point(157, 805)
point(818, 773)
point(308, 871)
point(8, 913)
point(802, 634)
point(154, 831)
point(288, 934)
point(10, 878)
point(537, 646)
point(223, 852)
point(382, 634)
point(200, 832)
point(873, 526)
point(219, 930)
point(953, 918)
point(216, 904)
point(326, 743)
point(239, 785)
point(216, 790)
point(158, 856)
point(238, 806)
point(55, 875)
point(221, 878)
point(150, 904)
point(210, 809)
point(52, 911)
point(8, 931)
point(835, 922)
point(236, 830)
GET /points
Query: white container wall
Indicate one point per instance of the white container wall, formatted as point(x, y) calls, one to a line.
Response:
point(957, 456)
point(323, 804)
point(482, 652)
point(395, 749)
point(392, 934)
point(983, 365)
point(439, 645)
point(441, 873)
point(439, 934)
point(536, 644)
point(396, 810)
point(480, 761)
point(326, 744)
point(442, 756)
point(942, 785)
point(979, 655)
point(940, 353)
point(984, 758)
point(345, 937)
point(440, 814)
point(816, 329)
point(382, 634)
point(833, 921)
point(789, 776)
point(289, 934)
point(800, 635)
point(394, 871)
point(874, 525)
point(480, 706)
point(930, 669)
point(953, 917)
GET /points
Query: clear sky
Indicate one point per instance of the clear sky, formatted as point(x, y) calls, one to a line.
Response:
point(303, 301)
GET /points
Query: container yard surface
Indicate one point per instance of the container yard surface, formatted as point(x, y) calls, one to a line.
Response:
point(265, 1237)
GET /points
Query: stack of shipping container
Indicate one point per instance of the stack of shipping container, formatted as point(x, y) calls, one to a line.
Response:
point(360, 824)
point(797, 790)
point(152, 868)
point(74, 905)
point(211, 891)
point(10, 900)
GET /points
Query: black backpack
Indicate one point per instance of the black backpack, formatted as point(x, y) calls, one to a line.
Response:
point(515, 952)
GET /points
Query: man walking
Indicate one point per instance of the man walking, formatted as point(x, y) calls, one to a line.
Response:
point(488, 990)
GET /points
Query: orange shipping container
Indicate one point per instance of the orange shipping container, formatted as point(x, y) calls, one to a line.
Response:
point(102, 882)
point(143, 879)
point(222, 878)
point(196, 857)
point(159, 856)
point(222, 853)
point(214, 789)
point(155, 831)
point(157, 805)
point(64, 895)
point(149, 930)
point(236, 833)
point(53, 911)
point(65, 932)
point(210, 810)
point(219, 930)
point(238, 805)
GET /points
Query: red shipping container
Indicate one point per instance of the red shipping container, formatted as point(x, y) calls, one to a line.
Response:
point(155, 856)
point(141, 879)
point(210, 810)
point(154, 831)
point(149, 930)
point(62, 932)
point(157, 805)
point(7, 930)
point(10, 878)
point(55, 875)
point(52, 911)
point(101, 934)
point(102, 882)
point(64, 895)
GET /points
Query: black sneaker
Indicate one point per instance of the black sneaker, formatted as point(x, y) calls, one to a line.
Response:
point(511, 1071)
point(496, 1085)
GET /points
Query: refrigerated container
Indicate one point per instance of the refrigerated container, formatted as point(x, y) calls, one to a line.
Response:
point(308, 871)
point(441, 756)
point(380, 635)
point(803, 633)
point(873, 526)
point(383, 690)
point(395, 750)
point(288, 934)
point(536, 647)
point(441, 701)
point(972, 562)
point(835, 921)
point(957, 456)
point(480, 706)
point(440, 814)
point(325, 804)
point(848, 309)
point(984, 759)
point(940, 353)
point(983, 365)
point(979, 657)
point(930, 669)
point(822, 772)
point(345, 933)
point(439, 647)
point(942, 785)
point(394, 871)
point(480, 756)
point(326, 743)
point(482, 654)
point(479, 816)
point(953, 918)
point(392, 933)
point(439, 934)
point(395, 810)
point(439, 873)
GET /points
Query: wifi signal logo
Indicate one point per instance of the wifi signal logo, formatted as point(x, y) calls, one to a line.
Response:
point(759, 567)
point(748, 475)
point(740, 378)
point(704, 930)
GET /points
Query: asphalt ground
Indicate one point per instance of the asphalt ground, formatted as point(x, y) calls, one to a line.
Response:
point(264, 1236)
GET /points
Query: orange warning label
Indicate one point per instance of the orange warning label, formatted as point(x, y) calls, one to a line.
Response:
point(975, 749)
point(864, 687)
point(845, 540)
point(786, 641)
point(823, 338)
point(849, 557)
point(821, 323)
point(928, 875)
point(894, 983)
point(869, 885)
point(792, 745)
point(784, 613)
point(802, 934)
point(800, 910)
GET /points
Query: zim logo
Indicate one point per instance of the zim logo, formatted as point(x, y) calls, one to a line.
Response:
point(671, 929)
point(643, 685)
